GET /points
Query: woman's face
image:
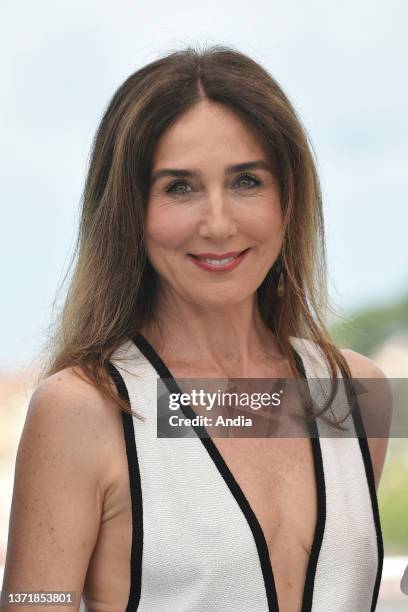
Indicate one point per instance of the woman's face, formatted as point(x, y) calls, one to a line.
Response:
point(199, 204)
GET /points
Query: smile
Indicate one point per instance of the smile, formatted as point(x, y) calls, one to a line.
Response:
point(219, 265)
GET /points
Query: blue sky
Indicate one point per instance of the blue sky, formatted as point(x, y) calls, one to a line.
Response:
point(342, 64)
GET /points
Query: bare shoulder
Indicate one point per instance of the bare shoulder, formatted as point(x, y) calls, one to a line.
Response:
point(376, 406)
point(362, 366)
point(65, 478)
point(69, 384)
point(67, 409)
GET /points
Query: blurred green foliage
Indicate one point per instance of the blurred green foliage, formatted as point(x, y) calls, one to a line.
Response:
point(393, 498)
point(364, 331)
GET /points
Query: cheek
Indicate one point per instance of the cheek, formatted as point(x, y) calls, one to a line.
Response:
point(167, 229)
point(266, 222)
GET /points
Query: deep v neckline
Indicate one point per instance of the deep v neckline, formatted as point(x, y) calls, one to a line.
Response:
point(265, 562)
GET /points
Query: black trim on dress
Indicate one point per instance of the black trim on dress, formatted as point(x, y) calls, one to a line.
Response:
point(135, 495)
point(369, 470)
point(321, 500)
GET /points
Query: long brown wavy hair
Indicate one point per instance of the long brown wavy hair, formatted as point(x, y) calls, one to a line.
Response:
point(112, 288)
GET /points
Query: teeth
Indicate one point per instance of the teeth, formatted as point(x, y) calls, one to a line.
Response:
point(218, 262)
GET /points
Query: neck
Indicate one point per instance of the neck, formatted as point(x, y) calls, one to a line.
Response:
point(229, 336)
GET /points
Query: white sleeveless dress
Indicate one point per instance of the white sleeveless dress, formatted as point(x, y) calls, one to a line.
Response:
point(197, 546)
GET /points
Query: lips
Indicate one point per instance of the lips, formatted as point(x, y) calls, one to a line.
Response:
point(217, 262)
point(216, 256)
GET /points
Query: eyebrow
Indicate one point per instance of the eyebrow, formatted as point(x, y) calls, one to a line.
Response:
point(259, 164)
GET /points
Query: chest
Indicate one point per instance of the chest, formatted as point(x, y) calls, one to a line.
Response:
point(277, 477)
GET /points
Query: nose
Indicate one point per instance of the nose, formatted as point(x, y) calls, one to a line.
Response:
point(217, 219)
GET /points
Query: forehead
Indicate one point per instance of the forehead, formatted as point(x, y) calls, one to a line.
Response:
point(208, 131)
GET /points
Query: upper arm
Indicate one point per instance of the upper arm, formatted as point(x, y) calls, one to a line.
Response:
point(375, 406)
point(58, 489)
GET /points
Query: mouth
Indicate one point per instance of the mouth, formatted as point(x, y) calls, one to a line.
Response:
point(219, 262)
point(221, 259)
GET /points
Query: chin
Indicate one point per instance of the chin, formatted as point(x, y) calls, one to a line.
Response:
point(221, 301)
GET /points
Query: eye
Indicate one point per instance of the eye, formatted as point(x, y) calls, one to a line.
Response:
point(171, 188)
point(246, 176)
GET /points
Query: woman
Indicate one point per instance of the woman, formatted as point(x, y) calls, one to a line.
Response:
point(200, 254)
